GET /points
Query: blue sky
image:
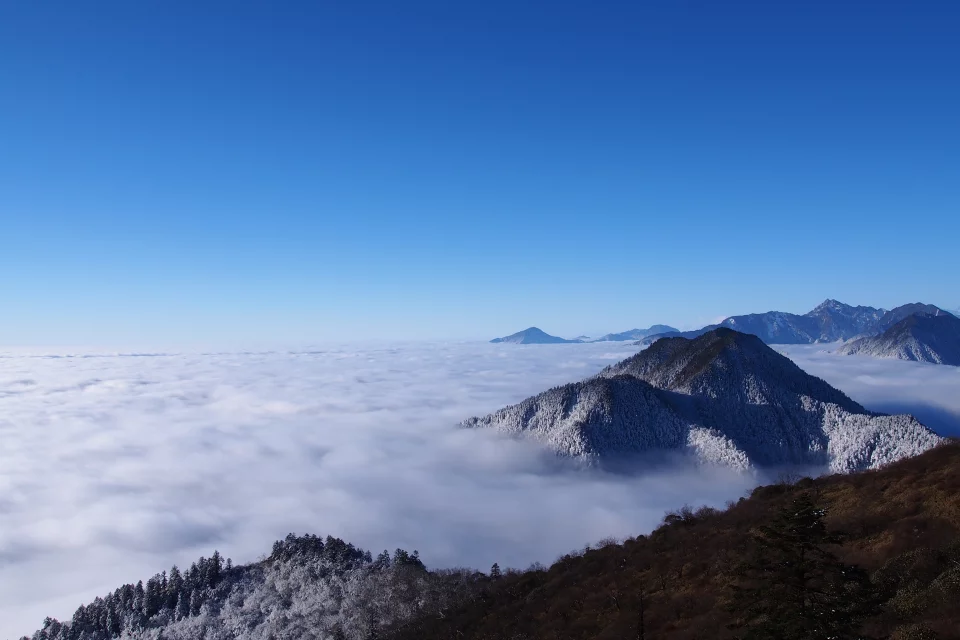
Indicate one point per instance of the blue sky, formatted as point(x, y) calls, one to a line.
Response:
point(191, 172)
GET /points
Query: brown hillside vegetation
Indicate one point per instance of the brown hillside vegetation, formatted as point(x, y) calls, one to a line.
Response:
point(901, 525)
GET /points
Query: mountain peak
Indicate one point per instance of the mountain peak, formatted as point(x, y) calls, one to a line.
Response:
point(723, 361)
point(830, 303)
point(532, 335)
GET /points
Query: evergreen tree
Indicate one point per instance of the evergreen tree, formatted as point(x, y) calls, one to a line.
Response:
point(183, 606)
point(174, 586)
point(214, 569)
point(495, 572)
point(196, 601)
point(794, 588)
point(153, 597)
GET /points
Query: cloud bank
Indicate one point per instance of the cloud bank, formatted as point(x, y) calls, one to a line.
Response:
point(113, 467)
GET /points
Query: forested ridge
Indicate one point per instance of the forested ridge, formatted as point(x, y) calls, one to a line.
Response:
point(874, 554)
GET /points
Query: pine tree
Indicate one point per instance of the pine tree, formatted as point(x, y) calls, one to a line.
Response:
point(794, 588)
point(495, 572)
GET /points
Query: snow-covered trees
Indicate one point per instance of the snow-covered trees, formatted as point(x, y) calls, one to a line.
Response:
point(308, 587)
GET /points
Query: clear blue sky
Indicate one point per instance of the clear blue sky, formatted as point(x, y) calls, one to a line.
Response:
point(193, 171)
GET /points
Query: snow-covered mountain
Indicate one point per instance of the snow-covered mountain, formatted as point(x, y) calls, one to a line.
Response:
point(724, 397)
point(922, 337)
point(636, 334)
point(532, 335)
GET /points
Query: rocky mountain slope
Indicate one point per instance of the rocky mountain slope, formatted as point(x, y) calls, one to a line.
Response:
point(723, 397)
point(920, 337)
point(533, 335)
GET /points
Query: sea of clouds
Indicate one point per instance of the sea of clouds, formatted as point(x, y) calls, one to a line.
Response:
point(115, 466)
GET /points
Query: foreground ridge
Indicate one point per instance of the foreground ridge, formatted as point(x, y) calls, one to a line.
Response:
point(891, 540)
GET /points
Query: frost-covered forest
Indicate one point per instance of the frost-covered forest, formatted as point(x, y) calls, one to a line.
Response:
point(308, 587)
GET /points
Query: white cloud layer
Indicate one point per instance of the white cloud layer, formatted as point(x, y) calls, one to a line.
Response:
point(113, 467)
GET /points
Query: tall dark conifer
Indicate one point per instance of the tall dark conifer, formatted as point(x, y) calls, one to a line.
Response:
point(794, 588)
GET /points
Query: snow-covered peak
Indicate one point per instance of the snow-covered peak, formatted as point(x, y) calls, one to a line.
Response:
point(723, 397)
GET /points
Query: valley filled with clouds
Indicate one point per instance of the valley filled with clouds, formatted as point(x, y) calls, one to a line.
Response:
point(115, 466)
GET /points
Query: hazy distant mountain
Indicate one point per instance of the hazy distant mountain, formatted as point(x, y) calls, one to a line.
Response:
point(724, 397)
point(582, 338)
point(921, 337)
point(532, 335)
point(636, 334)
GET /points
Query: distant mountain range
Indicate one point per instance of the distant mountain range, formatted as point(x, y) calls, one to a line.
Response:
point(533, 335)
point(828, 322)
point(831, 321)
point(922, 337)
point(635, 334)
point(725, 397)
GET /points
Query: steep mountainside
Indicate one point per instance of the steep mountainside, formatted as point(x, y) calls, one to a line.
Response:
point(724, 397)
point(636, 334)
point(900, 525)
point(532, 335)
point(920, 337)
